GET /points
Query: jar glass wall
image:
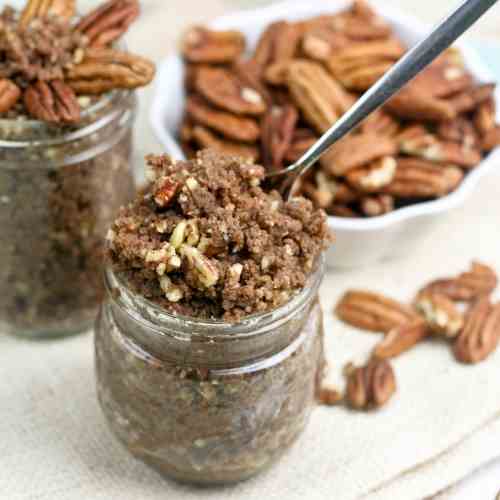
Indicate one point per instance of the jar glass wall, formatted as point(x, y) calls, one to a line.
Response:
point(208, 402)
point(60, 189)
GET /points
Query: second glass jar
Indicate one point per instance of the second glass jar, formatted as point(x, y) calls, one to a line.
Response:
point(60, 189)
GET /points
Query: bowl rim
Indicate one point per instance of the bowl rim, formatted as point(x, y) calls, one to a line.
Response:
point(393, 15)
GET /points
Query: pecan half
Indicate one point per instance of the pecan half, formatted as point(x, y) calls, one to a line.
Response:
point(355, 151)
point(412, 104)
point(469, 99)
point(373, 311)
point(65, 9)
point(440, 313)
point(429, 147)
point(401, 339)
point(206, 139)
point(357, 28)
point(320, 43)
point(416, 178)
point(278, 126)
point(110, 21)
point(302, 140)
point(480, 280)
point(485, 116)
point(443, 79)
point(329, 396)
point(376, 205)
point(232, 126)
point(491, 139)
point(481, 333)
point(53, 102)
point(321, 99)
point(362, 78)
point(224, 89)
point(375, 176)
point(381, 123)
point(9, 95)
point(459, 130)
point(201, 45)
point(103, 70)
point(370, 386)
point(279, 42)
point(338, 210)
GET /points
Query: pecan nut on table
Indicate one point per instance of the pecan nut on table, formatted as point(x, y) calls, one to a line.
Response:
point(49, 61)
point(459, 310)
point(273, 102)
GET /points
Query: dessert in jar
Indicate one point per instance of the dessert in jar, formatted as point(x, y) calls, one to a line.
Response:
point(67, 107)
point(209, 346)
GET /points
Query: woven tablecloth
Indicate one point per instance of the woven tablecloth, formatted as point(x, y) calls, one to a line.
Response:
point(443, 424)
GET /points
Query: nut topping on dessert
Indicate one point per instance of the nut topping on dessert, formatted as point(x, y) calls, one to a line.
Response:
point(205, 240)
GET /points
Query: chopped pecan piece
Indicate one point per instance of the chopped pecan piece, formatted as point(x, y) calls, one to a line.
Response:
point(201, 45)
point(478, 281)
point(491, 139)
point(357, 150)
point(373, 311)
point(375, 176)
point(441, 314)
point(429, 147)
point(278, 126)
point(416, 178)
point(370, 386)
point(110, 21)
point(224, 89)
point(65, 9)
point(470, 98)
point(166, 192)
point(376, 205)
point(321, 99)
point(206, 139)
point(9, 94)
point(412, 104)
point(53, 102)
point(204, 269)
point(401, 339)
point(232, 126)
point(481, 333)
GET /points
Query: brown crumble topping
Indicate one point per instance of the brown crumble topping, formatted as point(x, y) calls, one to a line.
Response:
point(205, 240)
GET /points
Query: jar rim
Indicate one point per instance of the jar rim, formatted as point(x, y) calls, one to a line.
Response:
point(111, 99)
point(157, 320)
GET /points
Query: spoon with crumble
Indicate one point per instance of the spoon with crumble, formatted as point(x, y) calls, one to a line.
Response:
point(413, 62)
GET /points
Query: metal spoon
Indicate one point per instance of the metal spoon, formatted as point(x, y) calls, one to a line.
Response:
point(420, 56)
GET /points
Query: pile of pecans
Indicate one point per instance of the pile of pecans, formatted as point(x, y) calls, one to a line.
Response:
point(458, 310)
point(48, 58)
point(302, 76)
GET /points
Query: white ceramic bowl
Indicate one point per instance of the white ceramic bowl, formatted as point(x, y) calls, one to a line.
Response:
point(359, 242)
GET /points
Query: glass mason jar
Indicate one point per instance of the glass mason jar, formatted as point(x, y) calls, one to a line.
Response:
point(208, 402)
point(60, 189)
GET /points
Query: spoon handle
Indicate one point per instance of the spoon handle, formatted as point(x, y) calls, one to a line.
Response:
point(414, 61)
